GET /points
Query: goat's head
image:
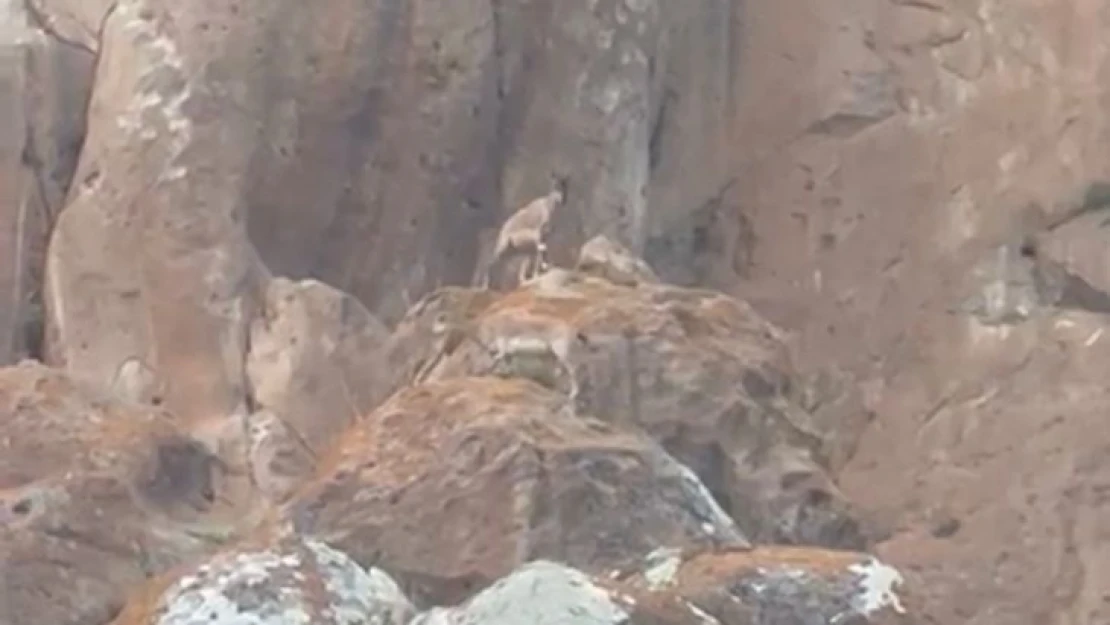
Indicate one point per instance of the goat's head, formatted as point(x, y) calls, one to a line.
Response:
point(559, 188)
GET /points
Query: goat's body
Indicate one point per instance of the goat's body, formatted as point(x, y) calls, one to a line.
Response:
point(526, 230)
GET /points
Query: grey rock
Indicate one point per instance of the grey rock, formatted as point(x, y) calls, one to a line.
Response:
point(295, 582)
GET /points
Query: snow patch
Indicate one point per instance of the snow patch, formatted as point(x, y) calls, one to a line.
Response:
point(359, 597)
point(203, 598)
point(878, 582)
point(662, 567)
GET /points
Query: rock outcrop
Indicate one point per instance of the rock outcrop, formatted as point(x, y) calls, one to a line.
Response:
point(289, 581)
point(739, 588)
point(298, 580)
point(773, 585)
point(703, 374)
point(452, 484)
point(96, 496)
point(913, 190)
point(44, 84)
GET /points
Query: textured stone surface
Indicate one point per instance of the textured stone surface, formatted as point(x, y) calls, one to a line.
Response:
point(773, 586)
point(855, 170)
point(701, 373)
point(979, 461)
point(315, 359)
point(292, 581)
point(451, 484)
point(539, 592)
point(607, 259)
point(94, 497)
point(44, 85)
point(762, 587)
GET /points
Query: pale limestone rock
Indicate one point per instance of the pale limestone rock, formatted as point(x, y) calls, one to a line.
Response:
point(279, 459)
point(315, 359)
point(605, 258)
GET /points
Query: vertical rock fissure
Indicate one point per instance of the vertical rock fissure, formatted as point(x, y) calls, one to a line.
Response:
point(42, 22)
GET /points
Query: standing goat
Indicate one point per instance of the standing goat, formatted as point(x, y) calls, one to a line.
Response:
point(526, 230)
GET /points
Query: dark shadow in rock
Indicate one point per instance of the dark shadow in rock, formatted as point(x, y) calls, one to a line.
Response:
point(693, 248)
point(179, 472)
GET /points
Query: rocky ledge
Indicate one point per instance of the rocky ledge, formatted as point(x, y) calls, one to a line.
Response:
point(588, 447)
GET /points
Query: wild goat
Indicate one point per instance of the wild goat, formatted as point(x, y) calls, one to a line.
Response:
point(526, 230)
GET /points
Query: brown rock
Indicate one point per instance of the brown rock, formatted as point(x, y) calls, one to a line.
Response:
point(95, 496)
point(700, 372)
point(1023, 421)
point(452, 484)
point(880, 150)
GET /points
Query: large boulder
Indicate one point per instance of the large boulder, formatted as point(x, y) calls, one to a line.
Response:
point(452, 484)
point(96, 496)
point(774, 586)
point(373, 146)
point(761, 587)
point(982, 459)
point(286, 581)
point(702, 373)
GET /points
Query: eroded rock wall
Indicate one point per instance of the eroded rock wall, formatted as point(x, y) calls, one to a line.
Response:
point(912, 190)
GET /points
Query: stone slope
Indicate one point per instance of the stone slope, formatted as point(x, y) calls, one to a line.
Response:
point(703, 374)
point(914, 190)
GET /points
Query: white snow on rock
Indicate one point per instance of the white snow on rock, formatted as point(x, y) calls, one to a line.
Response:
point(282, 586)
point(537, 593)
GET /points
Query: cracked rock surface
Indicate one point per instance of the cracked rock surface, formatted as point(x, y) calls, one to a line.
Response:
point(830, 274)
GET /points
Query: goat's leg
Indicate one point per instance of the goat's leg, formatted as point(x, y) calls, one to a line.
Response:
point(541, 265)
point(522, 270)
point(500, 252)
point(541, 257)
point(484, 281)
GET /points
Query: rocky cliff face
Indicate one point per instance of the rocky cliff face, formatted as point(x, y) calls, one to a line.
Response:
point(829, 275)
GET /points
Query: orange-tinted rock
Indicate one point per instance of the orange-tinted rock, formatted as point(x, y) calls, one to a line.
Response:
point(780, 585)
point(700, 372)
point(95, 496)
point(452, 484)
